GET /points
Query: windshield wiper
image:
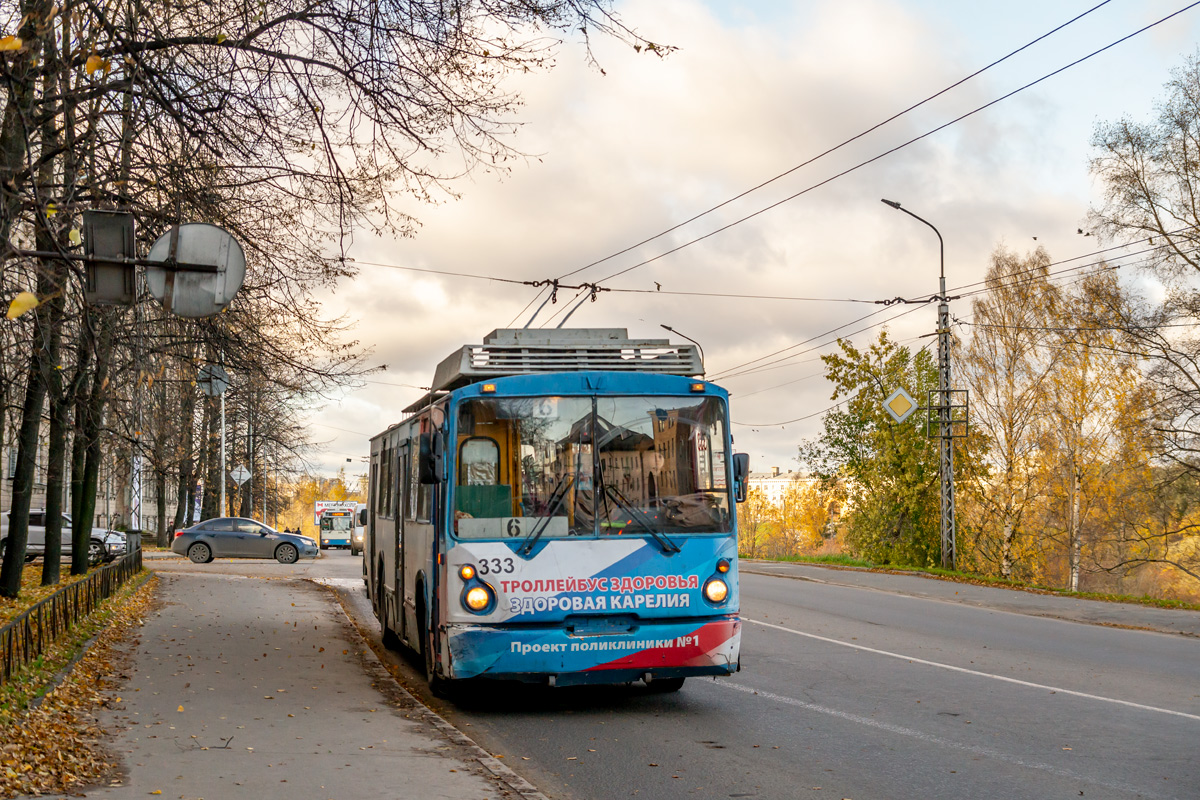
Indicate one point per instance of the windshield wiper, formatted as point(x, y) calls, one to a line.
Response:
point(638, 516)
point(556, 500)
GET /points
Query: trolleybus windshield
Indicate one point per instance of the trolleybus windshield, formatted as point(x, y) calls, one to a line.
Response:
point(582, 466)
point(337, 523)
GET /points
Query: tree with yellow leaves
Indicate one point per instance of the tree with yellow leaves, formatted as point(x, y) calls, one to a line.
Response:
point(1097, 406)
point(1007, 364)
point(753, 521)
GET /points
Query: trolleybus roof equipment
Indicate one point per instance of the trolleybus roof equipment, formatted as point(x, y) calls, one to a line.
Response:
point(515, 351)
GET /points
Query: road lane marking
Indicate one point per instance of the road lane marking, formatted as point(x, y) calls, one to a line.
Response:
point(929, 738)
point(977, 673)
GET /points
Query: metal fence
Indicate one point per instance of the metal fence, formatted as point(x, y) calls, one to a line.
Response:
point(27, 637)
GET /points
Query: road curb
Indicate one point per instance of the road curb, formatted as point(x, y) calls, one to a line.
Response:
point(493, 765)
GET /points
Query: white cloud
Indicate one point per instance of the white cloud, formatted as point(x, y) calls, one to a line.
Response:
point(755, 89)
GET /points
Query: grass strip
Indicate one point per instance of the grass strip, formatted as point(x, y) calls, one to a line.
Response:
point(839, 560)
point(52, 741)
point(32, 592)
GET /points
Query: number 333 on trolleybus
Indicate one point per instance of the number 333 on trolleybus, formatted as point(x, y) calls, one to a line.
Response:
point(560, 509)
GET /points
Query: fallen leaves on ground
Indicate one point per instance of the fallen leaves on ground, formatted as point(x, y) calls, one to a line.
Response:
point(58, 746)
point(31, 592)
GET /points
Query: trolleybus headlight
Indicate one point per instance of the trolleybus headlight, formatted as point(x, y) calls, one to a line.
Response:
point(715, 591)
point(466, 572)
point(477, 598)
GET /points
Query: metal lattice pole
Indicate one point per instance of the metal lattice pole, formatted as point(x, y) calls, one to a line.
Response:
point(944, 404)
point(945, 431)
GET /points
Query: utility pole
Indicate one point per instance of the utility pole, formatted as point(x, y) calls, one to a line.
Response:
point(943, 403)
point(221, 471)
point(945, 424)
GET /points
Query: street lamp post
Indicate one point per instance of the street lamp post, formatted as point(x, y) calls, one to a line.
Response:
point(943, 408)
point(223, 462)
point(690, 339)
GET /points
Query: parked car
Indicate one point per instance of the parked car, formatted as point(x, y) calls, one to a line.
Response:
point(238, 537)
point(103, 545)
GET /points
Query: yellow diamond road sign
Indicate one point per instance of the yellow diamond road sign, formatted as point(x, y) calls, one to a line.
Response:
point(900, 405)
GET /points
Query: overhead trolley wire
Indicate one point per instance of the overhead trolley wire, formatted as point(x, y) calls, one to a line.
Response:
point(720, 374)
point(548, 284)
point(728, 296)
point(729, 372)
point(966, 322)
point(439, 272)
point(771, 365)
point(780, 363)
point(797, 419)
point(741, 395)
point(895, 149)
point(1078, 328)
point(1122, 246)
point(595, 287)
point(836, 147)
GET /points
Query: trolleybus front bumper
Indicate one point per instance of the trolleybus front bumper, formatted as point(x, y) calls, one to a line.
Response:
point(539, 654)
point(342, 542)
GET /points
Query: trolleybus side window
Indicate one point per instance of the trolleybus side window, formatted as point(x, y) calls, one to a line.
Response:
point(396, 486)
point(424, 501)
point(414, 451)
point(383, 506)
point(424, 490)
point(374, 485)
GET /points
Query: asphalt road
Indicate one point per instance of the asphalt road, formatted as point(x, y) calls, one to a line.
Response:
point(867, 687)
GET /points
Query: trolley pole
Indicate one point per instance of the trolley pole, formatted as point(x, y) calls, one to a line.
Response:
point(944, 403)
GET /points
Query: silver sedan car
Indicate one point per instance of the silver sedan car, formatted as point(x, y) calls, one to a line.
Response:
point(238, 537)
point(103, 545)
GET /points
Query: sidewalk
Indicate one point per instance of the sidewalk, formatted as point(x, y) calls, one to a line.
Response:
point(250, 688)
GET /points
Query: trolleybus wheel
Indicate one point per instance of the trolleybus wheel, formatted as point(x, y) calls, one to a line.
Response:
point(665, 685)
point(438, 685)
point(377, 600)
point(390, 640)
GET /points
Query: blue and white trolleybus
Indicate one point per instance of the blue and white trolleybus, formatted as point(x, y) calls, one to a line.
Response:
point(336, 526)
point(560, 508)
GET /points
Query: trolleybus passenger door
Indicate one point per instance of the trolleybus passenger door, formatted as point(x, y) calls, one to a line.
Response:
point(369, 533)
point(400, 477)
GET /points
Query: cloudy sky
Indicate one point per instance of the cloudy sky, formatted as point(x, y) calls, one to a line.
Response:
point(755, 89)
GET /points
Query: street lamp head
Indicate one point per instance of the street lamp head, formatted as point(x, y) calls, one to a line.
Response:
point(684, 335)
point(891, 203)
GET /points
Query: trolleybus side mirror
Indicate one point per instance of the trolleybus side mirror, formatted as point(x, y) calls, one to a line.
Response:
point(362, 517)
point(741, 476)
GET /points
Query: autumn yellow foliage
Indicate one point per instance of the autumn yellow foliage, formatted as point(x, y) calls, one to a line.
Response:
point(57, 746)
